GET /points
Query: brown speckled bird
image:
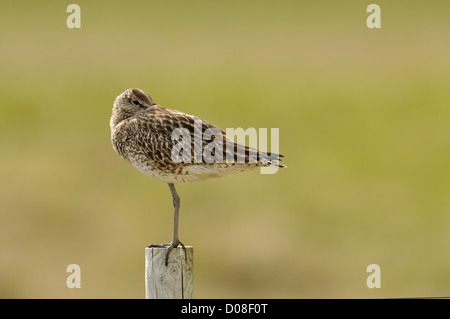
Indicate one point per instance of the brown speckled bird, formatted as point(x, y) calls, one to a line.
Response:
point(142, 132)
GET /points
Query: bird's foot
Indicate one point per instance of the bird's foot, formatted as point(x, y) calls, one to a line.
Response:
point(169, 247)
point(158, 245)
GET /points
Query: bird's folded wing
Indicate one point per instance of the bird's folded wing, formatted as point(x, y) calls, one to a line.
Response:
point(195, 140)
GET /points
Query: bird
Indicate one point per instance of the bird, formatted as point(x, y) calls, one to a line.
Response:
point(164, 144)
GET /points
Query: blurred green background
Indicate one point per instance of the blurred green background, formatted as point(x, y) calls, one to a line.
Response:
point(364, 126)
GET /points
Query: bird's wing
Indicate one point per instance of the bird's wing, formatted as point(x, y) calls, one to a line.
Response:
point(195, 140)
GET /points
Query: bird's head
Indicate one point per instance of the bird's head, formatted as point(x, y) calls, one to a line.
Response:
point(133, 101)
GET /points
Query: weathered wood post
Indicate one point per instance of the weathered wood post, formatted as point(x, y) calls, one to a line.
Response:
point(174, 281)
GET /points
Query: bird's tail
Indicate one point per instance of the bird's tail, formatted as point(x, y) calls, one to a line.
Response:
point(273, 159)
point(250, 155)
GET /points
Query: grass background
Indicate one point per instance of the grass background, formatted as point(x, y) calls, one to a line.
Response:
point(364, 126)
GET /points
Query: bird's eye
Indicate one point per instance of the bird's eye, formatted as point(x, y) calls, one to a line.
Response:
point(135, 102)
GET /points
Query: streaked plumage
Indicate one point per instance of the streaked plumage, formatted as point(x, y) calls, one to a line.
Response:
point(142, 136)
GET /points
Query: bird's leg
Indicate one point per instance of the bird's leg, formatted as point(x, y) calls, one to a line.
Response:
point(176, 210)
point(176, 213)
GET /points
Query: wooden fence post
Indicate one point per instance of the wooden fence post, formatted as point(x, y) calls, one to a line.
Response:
point(174, 281)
